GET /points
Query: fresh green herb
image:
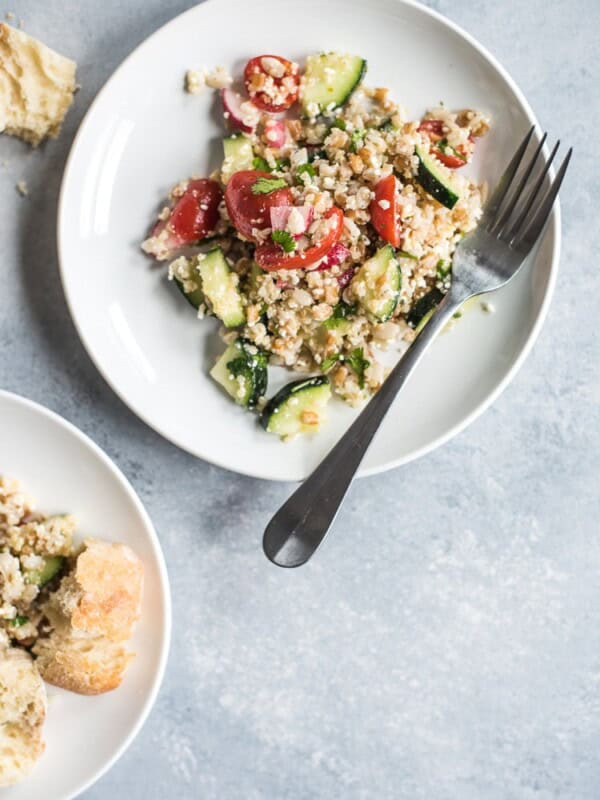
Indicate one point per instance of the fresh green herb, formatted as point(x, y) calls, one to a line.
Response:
point(268, 185)
point(328, 363)
point(359, 364)
point(443, 269)
point(305, 168)
point(19, 621)
point(285, 240)
point(340, 311)
point(404, 254)
point(340, 123)
point(258, 162)
point(387, 125)
point(357, 139)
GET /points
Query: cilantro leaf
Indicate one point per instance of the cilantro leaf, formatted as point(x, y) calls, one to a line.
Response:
point(338, 122)
point(357, 138)
point(268, 185)
point(305, 168)
point(285, 240)
point(258, 162)
point(327, 363)
point(18, 621)
point(340, 311)
point(359, 364)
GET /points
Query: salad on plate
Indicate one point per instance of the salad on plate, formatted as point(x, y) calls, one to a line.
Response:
point(326, 235)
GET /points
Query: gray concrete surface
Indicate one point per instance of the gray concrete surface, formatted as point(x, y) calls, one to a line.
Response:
point(445, 644)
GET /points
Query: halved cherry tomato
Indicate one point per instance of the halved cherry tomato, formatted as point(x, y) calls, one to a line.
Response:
point(272, 82)
point(434, 128)
point(385, 219)
point(270, 256)
point(249, 211)
point(193, 217)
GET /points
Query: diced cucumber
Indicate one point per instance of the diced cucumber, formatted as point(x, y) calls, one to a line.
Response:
point(40, 577)
point(329, 80)
point(242, 372)
point(377, 284)
point(187, 279)
point(422, 310)
point(297, 408)
point(435, 179)
point(238, 155)
point(220, 287)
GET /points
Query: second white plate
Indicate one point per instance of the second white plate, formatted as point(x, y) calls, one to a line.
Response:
point(63, 470)
point(143, 134)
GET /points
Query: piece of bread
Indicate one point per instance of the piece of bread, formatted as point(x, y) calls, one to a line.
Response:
point(91, 613)
point(36, 86)
point(22, 714)
point(81, 664)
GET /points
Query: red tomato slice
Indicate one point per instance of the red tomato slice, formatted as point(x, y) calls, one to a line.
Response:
point(270, 256)
point(272, 82)
point(449, 159)
point(249, 211)
point(385, 220)
point(194, 216)
point(434, 128)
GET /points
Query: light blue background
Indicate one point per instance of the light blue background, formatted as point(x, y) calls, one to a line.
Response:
point(445, 643)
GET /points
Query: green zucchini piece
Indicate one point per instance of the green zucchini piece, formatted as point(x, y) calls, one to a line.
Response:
point(220, 287)
point(422, 310)
point(329, 80)
point(435, 179)
point(40, 577)
point(187, 279)
point(238, 155)
point(242, 372)
point(297, 408)
point(377, 284)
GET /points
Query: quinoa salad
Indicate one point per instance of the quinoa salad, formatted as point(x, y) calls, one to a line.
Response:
point(324, 237)
point(34, 551)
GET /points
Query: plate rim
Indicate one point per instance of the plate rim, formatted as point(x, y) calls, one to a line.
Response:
point(165, 639)
point(553, 229)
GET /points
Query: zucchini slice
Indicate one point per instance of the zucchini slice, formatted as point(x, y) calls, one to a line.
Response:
point(377, 284)
point(238, 155)
point(297, 408)
point(187, 279)
point(422, 310)
point(329, 80)
point(220, 287)
point(435, 179)
point(40, 577)
point(242, 372)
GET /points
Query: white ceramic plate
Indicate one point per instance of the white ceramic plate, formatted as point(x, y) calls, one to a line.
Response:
point(143, 133)
point(63, 470)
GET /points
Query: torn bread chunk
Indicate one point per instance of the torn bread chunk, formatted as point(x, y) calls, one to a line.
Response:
point(91, 613)
point(22, 713)
point(36, 86)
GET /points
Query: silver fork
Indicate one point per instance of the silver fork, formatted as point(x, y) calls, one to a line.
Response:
point(512, 221)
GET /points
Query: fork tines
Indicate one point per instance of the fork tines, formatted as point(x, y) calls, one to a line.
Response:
point(518, 210)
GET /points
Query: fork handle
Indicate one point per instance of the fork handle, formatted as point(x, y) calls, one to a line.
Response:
point(300, 525)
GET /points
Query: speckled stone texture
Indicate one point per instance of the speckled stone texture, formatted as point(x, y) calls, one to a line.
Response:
point(445, 644)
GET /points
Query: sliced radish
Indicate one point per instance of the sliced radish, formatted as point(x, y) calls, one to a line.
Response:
point(275, 133)
point(338, 253)
point(295, 219)
point(235, 113)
